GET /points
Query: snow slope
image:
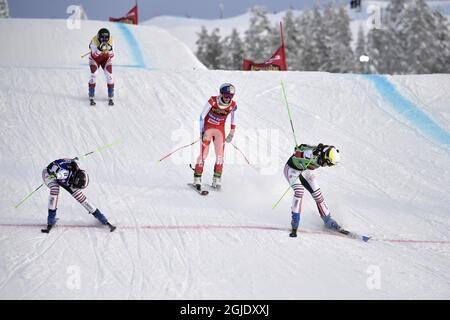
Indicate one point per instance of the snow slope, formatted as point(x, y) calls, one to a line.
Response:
point(174, 244)
point(187, 29)
point(53, 43)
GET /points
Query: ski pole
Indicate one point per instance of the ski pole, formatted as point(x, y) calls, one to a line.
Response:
point(76, 158)
point(182, 147)
point(276, 204)
point(18, 205)
point(240, 152)
point(98, 149)
point(289, 112)
point(84, 55)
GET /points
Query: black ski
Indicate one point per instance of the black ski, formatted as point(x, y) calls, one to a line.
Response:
point(198, 188)
point(343, 232)
point(354, 235)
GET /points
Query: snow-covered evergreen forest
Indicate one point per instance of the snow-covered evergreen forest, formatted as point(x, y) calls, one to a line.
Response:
point(411, 38)
point(4, 11)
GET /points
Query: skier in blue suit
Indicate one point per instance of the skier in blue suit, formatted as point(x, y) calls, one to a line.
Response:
point(67, 174)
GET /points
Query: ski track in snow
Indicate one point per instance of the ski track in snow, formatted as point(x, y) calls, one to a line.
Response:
point(173, 244)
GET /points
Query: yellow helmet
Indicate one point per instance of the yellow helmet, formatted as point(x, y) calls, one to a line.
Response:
point(331, 156)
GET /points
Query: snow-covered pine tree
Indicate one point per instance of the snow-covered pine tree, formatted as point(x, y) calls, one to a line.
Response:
point(319, 53)
point(257, 40)
point(360, 50)
point(214, 50)
point(343, 53)
point(304, 49)
point(237, 50)
point(202, 44)
point(442, 64)
point(422, 46)
point(329, 35)
point(337, 40)
point(209, 48)
point(4, 10)
point(376, 47)
point(225, 57)
point(395, 48)
point(233, 52)
point(274, 39)
point(291, 40)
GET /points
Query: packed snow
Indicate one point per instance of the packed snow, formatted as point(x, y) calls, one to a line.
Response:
point(171, 243)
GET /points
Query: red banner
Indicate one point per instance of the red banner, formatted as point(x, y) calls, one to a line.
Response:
point(131, 17)
point(276, 63)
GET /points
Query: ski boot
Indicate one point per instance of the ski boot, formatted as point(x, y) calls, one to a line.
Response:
point(111, 227)
point(293, 233)
point(100, 217)
point(110, 95)
point(47, 230)
point(92, 95)
point(51, 221)
point(294, 223)
point(216, 182)
point(198, 181)
point(330, 223)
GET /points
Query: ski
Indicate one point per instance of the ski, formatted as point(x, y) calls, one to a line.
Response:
point(341, 232)
point(354, 235)
point(50, 227)
point(199, 190)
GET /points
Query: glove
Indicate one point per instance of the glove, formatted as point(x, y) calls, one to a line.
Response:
point(202, 136)
point(319, 149)
point(104, 47)
point(299, 147)
point(229, 137)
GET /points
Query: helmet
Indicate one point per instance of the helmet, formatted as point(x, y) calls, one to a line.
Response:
point(331, 156)
point(227, 90)
point(80, 179)
point(103, 35)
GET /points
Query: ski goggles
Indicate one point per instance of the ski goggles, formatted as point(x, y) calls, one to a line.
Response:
point(103, 38)
point(228, 95)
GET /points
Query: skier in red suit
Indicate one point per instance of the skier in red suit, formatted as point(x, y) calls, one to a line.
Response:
point(212, 128)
